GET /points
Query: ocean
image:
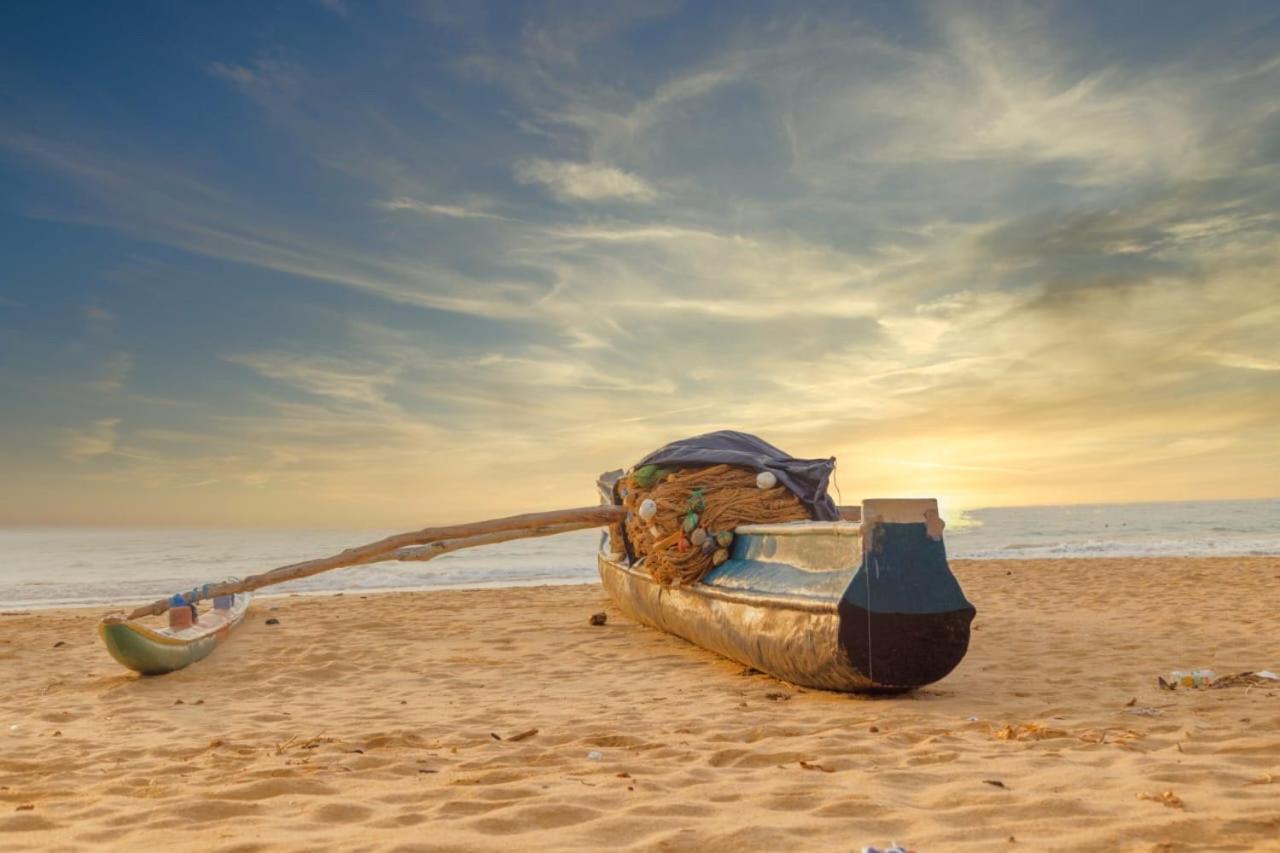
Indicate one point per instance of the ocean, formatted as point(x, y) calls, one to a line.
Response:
point(68, 566)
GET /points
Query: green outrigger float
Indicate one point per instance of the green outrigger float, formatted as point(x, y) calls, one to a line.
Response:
point(156, 651)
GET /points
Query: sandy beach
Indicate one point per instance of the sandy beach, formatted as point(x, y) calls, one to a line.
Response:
point(391, 722)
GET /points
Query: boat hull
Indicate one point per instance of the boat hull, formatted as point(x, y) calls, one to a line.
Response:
point(152, 651)
point(793, 639)
point(803, 603)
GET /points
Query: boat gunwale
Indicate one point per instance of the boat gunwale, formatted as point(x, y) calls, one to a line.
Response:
point(802, 603)
point(157, 635)
point(801, 528)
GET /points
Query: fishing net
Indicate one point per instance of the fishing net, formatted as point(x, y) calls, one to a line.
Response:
point(694, 513)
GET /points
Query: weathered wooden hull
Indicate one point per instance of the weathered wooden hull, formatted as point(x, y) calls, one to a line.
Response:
point(156, 651)
point(804, 604)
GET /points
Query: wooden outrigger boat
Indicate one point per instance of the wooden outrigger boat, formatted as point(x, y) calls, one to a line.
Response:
point(836, 605)
point(156, 651)
point(863, 603)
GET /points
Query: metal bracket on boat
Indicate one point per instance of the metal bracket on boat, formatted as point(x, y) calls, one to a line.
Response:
point(933, 525)
point(873, 535)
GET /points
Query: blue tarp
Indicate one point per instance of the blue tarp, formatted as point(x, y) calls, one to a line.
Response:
point(806, 478)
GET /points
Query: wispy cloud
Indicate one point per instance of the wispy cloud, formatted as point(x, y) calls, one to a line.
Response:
point(235, 73)
point(98, 317)
point(585, 181)
point(169, 207)
point(96, 439)
point(113, 371)
point(452, 211)
point(338, 378)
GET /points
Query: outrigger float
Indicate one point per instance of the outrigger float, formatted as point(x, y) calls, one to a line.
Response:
point(156, 651)
point(863, 600)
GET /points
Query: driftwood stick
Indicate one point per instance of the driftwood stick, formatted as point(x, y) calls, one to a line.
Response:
point(566, 519)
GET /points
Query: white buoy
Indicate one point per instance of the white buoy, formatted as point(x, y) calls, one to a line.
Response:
point(648, 509)
point(765, 480)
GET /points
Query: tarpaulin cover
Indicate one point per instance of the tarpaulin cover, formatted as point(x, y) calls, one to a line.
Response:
point(806, 478)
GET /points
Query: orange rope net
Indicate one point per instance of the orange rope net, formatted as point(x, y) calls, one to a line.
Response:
point(697, 510)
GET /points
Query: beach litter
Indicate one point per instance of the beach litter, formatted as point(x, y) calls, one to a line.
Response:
point(595, 755)
point(995, 783)
point(1192, 677)
point(893, 848)
point(1197, 678)
point(1264, 678)
point(598, 618)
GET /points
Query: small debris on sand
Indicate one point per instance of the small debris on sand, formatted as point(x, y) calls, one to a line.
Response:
point(273, 621)
point(598, 618)
point(995, 783)
point(1166, 798)
point(1246, 679)
point(1028, 731)
point(59, 644)
point(26, 807)
point(811, 765)
point(527, 733)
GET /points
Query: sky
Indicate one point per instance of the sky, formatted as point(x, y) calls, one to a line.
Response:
point(376, 264)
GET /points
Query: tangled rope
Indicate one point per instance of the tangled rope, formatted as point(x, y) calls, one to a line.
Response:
point(696, 511)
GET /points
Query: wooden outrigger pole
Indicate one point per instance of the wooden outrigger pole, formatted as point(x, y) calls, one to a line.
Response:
point(418, 545)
